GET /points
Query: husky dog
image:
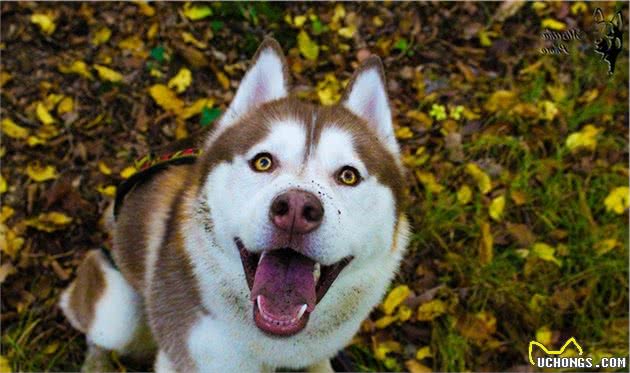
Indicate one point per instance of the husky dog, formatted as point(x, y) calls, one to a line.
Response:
point(268, 250)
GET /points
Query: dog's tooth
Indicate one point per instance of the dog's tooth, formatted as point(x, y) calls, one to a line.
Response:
point(301, 313)
point(262, 255)
point(317, 271)
point(258, 304)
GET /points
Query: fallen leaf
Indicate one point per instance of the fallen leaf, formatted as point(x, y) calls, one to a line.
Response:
point(49, 222)
point(127, 172)
point(66, 105)
point(496, 208)
point(108, 191)
point(181, 80)
point(545, 252)
point(586, 138)
point(521, 233)
point(482, 179)
point(548, 110)
point(197, 107)
point(543, 335)
point(385, 321)
point(107, 74)
point(145, 8)
point(308, 48)
point(431, 310)
point(223, 79)
point(500, 100)
point(618, 200)
point(196, 12)
point(403, 133)
point(104, 169)
point(383, 348)
point(10, 241)
point(13, 130)
point(101, 36)
point(604, 246)
point(40, 173)
point(6, 213)
point(428, 180)
point(553, 24)
point(328, 89)
point(415, 367)
point(190, 39)
point(424, 352)
point(166, 98)
point(464, 195)
point(395, 297)
point(43, 115)
point(45, 22)
point(77, 67)
point(486, 251)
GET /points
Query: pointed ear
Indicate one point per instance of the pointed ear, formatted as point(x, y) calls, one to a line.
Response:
point(599, 16)
point(366, 97)
point(618, 21)
point(266, 80)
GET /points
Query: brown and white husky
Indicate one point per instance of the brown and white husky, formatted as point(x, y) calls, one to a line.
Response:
point(269, 249)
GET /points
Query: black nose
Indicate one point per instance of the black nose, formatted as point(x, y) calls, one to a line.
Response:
point(296, 211)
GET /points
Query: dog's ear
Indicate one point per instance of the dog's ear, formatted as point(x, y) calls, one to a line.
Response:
point(617, 21)
point(599, 16)
point(366, 97)
point(266, 80)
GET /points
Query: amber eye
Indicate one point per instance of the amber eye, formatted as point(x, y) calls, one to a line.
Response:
point(348, 176)
point(262, 162)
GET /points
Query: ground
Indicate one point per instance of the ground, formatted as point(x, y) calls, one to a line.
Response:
point(516, 146)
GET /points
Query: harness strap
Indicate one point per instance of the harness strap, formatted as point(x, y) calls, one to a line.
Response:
point(149, 166)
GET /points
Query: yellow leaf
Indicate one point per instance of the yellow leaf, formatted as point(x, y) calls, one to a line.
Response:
point(545, 252)
point(377, 21)
point(404, 313)
point(328, 89)
point(3, 185)
point(415, 367)
point(347, 32)
point(223, 79)
point(543, 335)
point(431, 310)
point(43, 115)
point(548, 110)
point(553, 24)
point(196, 107)
point(395, 297)
point(77, 67)
point(128, 172)
point(385, 321)
point(11, 129)
point(482, 179)
point(589, 96)
point(424, 352)
point(145, 8)
point(428, 180)
point(618, 200)
point(45, 22)
point(190, 39)
point(602, 247)
point(41, 173)
point(557, 92)
point(65, 106)
point(5, 77)
point(104, 168)
point(500, 100)
point(196, 12)
point(586, 138)
point(10, 241)
point(496, 208)
point(308, 48)
point(6, 213)
point(181, 81)
point(105, 73)
point(486, 250)
point(578, 7)
point(464, 195)
point(298, 21)
point(52, 100)
point(5, 366)
point(404, 133)
point(49, 222)
point(484, 37)
point(132, 43)
point(34, 141)
point(421, 117)
point(339, 14)
point(108, 191)
point(166, 98)
point(383, 348)
point(181, 132)
point(153, 30)
point(101, 36)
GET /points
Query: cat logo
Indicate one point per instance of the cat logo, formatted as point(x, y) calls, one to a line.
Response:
point(553, 352)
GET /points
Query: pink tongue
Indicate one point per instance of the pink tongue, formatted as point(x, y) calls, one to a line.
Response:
point(285, 279)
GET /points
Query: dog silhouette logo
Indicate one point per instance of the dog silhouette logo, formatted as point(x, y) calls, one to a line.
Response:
point(610, 41)
point(553, 352)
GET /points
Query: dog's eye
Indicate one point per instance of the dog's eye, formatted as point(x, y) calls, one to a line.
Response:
point(348, 176)
point(262, 162)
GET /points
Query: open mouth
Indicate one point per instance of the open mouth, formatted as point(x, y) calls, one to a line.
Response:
point(285, 287)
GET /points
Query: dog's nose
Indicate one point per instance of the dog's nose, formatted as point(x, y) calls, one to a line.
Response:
point(296, 211)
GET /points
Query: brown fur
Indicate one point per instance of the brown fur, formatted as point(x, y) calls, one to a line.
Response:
point(87, 289)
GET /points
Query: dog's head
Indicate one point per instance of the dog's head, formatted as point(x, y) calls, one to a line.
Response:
point(296, 192)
